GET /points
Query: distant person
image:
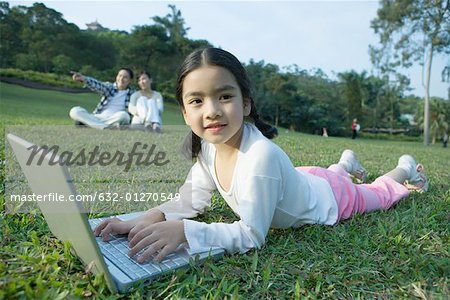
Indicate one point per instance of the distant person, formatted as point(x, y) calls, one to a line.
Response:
point(445, 140)
point(355, 128)
point(324, 132)
point(146, 105)
point(112, 110)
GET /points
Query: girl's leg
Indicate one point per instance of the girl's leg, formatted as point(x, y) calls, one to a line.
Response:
point(339, 169)
point(349, 164)
point(398, 174)
point(410, 171)
point(390, 188)
point(375, 201)
point(384, 192)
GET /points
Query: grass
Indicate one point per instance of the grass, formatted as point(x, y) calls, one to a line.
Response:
point(45, 78)
point(20, 105)
point(400, 253)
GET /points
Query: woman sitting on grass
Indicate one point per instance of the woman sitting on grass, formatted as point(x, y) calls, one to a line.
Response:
point(146, 105)
point(253, 175)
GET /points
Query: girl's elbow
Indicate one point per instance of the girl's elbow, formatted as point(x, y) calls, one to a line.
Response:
point(256, 241)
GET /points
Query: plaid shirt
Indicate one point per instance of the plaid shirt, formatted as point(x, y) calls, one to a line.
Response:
point(108, 90)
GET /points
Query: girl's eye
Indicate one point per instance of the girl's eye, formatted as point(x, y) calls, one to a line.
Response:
point(195, 101)
point(226, 97)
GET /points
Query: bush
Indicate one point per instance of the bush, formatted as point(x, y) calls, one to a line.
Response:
point(414, 131)
point(62, 64)
point(339, 131)
point(44, 78)
point(391, 137)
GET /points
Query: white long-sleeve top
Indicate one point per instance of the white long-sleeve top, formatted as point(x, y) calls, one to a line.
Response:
point(266, 191)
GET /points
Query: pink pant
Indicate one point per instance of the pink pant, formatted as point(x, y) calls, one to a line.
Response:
point(352, 198)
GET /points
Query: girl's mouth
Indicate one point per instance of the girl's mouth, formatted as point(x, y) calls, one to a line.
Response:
point(215, 127)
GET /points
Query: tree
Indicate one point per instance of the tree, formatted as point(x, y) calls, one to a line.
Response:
point(146, 48)
point(260, 74)
point(320, 103)
point(11, 24)
point(62, 64)
point(353, 83)
point(174, 24)
point(373, 88)
point(412, 31)
point(446, 78)
point(97, 49)
point(439, 118)
point(168, 38)
point(44, 34)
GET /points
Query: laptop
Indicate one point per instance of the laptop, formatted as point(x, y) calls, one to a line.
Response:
point(68, 221)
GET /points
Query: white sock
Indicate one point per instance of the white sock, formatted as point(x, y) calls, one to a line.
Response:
point(407, 167)
point(347, 165)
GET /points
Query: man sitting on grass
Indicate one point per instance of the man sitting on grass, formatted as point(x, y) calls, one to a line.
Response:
point(112, 110)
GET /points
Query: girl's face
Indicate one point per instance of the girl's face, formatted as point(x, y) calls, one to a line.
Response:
point(144, 82)
point(213, 104)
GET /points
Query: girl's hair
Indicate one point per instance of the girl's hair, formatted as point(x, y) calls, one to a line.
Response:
point(142, 73)
point(224, 59)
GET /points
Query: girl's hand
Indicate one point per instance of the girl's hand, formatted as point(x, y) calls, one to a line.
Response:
point(117, 226)
point(164, 237)
point(113, 226)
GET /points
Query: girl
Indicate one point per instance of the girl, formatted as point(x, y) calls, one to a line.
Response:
point(253, 175)
point(146, 105)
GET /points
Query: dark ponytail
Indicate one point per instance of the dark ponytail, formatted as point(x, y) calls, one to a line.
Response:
point(192, 145)
point(267, 130)
point(221, 58)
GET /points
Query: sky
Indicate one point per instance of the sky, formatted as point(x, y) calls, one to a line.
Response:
point(331, 35)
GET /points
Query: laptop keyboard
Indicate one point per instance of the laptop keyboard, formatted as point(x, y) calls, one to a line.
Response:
point(116, 250)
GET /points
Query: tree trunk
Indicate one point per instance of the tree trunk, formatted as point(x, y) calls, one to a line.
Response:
point(392, 110)
point(276, 117)
point(426, 116)
point(147, 61)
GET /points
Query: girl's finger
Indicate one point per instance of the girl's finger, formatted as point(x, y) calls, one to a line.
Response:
point(146, 242)
point(149, 252)
point(166, 250)
point(141, 244)
point(114, 228)
point(134, 231)
point(99, 228)
point(106, 231)
point(145, 232)
point(102, 225)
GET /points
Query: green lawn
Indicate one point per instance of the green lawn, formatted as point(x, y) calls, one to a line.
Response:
point(400, 253)
point(21, 105)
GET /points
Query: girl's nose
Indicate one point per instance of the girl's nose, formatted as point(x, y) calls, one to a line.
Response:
point(213, 109)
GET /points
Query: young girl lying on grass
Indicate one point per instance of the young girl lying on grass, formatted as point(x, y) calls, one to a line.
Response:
point(253, 175)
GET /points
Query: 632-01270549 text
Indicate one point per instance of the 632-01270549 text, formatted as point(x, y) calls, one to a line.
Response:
point(98, 196)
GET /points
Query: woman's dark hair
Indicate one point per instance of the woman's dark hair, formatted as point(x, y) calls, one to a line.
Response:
point(224, 59)
point(144, 72)
point(130, 72)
